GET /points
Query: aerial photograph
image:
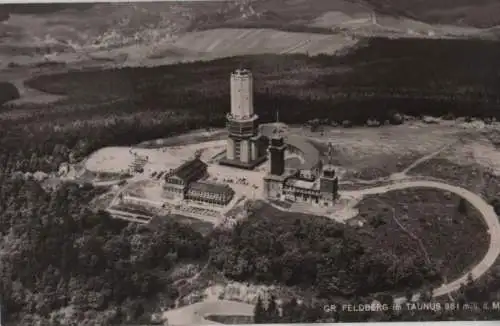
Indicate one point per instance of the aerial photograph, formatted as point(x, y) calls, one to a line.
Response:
point(249, 162)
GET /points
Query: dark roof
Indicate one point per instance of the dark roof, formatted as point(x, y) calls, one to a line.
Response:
point(310, 153)
point(187, 169)
point(210, 187)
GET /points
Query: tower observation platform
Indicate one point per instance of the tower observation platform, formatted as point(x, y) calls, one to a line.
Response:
point(244, 144)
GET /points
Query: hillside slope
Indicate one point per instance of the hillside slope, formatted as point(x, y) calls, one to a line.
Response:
point(359, 17)
point(166, 32)
point(472, 13)
point(465, 13)
point(476, 13)
point(234, 41)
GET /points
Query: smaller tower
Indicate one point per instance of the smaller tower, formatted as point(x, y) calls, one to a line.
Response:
point(329, 182)
point(276, 151)
point(275, 178)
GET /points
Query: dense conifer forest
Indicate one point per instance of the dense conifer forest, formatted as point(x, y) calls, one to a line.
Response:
point(8, 92)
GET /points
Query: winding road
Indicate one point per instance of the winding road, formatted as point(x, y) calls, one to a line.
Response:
point(489, 216)
point(194, 314)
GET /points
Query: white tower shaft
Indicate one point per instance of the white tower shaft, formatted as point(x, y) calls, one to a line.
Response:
point(242, 94)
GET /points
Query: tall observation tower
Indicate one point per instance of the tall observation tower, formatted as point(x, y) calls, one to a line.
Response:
point(244, 144)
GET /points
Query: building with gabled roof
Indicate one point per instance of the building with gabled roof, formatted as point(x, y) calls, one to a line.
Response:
point(186, 183)
point(208, 192)
point(189, 171)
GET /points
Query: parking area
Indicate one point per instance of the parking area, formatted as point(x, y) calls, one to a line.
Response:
point(244, 183)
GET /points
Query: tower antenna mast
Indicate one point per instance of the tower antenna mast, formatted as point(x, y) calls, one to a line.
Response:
point(330, 153)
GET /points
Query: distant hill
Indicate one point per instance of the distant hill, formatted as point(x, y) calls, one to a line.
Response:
point(476, 13)
point(39, 8)
point(465, 13)
point(280, 13)
point(42, 8)
point(390, 18)
point(141, 31)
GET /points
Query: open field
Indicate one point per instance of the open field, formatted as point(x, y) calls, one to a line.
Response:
point(472, 176)
point(482, 13)
point(473, 164)
point(426, 222)
point(189, 138)
point(119, 159)
point(225, 42)
point(372, 153)
point(295, 14)
point(213, 44)
point(99, 26)
point(101, 35)
point(160, 37)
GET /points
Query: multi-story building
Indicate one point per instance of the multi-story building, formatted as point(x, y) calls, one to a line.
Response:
point(211, 193)
point(318, 186)
point(186, 183)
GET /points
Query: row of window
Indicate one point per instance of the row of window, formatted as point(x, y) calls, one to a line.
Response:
point(175, 181)
point(210, 195)
point(174, 190)
point(220, 201)
point(293, 190)
point(200, 194)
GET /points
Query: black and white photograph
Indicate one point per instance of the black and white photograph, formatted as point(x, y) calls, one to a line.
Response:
point(249, 162)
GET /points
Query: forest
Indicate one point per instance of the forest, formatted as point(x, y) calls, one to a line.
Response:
point(57, 253)
point(8, 92)
point(321, 256)
point(108, 271)
point(414, 77)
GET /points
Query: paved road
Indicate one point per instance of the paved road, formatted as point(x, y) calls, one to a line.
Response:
point(194, 314)
point(489, 217)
